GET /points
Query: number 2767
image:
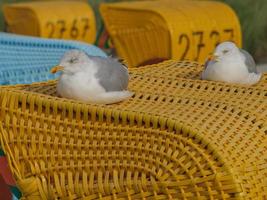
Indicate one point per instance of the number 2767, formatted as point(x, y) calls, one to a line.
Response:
point(57, 29)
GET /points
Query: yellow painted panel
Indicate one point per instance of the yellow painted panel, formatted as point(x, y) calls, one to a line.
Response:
point(56, 19)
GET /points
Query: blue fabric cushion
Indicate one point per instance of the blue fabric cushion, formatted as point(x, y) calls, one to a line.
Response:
point(25, 59)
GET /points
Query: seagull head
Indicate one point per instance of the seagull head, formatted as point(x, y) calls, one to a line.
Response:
point(71, 62)
point(224, 50)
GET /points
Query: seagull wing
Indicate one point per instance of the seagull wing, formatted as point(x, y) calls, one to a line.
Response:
point(249, 61)
point(112, 75)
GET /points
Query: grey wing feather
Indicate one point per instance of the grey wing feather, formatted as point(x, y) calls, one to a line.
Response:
point(112, 75)
point(249, 61)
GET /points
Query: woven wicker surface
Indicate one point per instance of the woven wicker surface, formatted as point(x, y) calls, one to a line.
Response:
point(178, 138)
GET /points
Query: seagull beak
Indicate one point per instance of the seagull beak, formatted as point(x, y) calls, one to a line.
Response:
point(56, 69)
point(213, 57)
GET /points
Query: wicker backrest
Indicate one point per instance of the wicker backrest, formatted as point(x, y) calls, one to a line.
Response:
point(178, 137)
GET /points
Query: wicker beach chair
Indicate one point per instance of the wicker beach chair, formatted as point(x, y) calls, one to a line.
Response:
point(178, 137)
point(150, 31)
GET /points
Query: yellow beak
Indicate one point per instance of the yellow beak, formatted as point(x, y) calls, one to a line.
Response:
point(56, 69)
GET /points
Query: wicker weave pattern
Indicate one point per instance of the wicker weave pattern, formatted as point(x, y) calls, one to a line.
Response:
point(177, 138)
point(29, 59)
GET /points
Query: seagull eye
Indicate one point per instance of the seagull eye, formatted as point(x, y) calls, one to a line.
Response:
point(225, 51)
point(73, 60)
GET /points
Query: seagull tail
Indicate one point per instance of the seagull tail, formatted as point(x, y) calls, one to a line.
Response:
point(112, 97)
point(253, 78)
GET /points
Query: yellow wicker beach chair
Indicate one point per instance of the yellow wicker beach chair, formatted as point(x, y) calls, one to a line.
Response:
point(178, 137)
point(148, 31)
point(52, 19)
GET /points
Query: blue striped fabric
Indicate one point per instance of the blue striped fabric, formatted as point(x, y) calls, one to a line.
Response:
point(26, 59)
point(14, 197)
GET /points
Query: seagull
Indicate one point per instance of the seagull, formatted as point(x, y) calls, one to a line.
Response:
point(92, 79)
point(232, 65)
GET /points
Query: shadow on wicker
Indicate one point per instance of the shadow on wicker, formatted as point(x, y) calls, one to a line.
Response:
point(177, 138)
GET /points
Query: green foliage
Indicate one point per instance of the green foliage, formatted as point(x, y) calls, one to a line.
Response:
point(253, 18)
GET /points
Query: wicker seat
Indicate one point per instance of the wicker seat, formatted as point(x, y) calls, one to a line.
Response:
point(178, 137)
point(29, 59)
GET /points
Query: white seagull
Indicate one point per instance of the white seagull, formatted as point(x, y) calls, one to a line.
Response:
point(92, 79)
point(231, 64)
